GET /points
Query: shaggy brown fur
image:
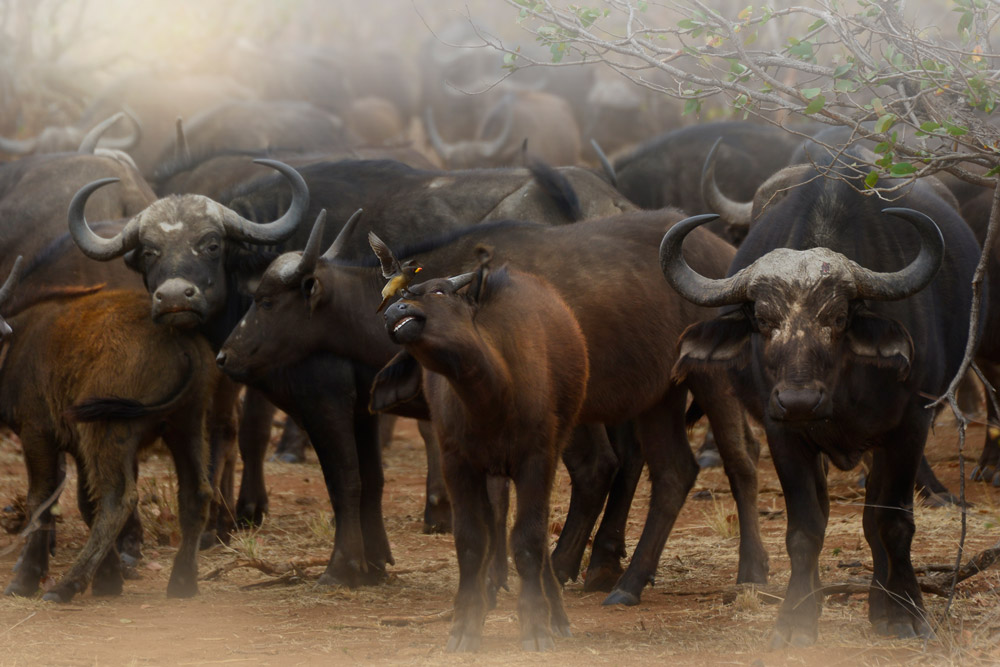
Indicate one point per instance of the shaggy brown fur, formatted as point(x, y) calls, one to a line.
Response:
point(93, 376)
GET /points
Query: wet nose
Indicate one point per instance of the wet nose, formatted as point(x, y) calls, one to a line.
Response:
point(220, 360)
point(796, 403)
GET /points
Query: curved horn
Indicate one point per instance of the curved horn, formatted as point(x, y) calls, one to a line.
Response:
point(443, 149)
point(18, 146)
point(913, 277)
point(311, 252)
point(609, 169)
point(89, 142)
point(690, 284)
point(129, 142)
point(92, 245)
point(242, 229)
point(490, 148)
point(341, 240)
point(12, 280)
point(458, 282)
point(735, 213)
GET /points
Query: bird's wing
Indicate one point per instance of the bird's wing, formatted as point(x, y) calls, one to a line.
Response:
point(390, 265)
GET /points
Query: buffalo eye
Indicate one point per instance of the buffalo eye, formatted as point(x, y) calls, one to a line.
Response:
point(149, 254)
point(265, 304)
point(840, 322)
point(438, 291)
point(307, 286)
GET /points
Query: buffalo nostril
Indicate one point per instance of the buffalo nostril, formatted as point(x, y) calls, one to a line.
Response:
point(220, 360)
point(189, 292)
point(799, 403)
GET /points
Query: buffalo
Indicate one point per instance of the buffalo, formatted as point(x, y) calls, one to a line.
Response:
point(840, 318)
point(606, 270)
point(505, 375)
point(91, 375)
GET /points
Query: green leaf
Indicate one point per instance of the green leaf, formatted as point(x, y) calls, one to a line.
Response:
point(884, 122)
point(816, 25)
point(902, 169)
point(692, 106)
point(842, 70)
point(871, 179)
point(929, 126)
point(993, 172)
point(817, 103)
point(882, 147)
point(810, 93)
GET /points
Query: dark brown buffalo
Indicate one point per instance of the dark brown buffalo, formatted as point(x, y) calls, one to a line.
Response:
point(94, 377)
point(841, 319)
point(607, 272)
point(504, 374)
point(542, 119)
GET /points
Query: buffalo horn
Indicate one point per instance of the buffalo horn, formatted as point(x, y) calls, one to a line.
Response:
point(913, 277)
point(18, 146)
point(11, 282)
point(90, 141)
point(443, 149)
point(338, 243)
point(458, 282)
point(690, 284)
point(492, 147)
point(735, 213)
point(609, 169)
point(182, 152)
point(311, 252)
point(92, 245)
point(240, 228)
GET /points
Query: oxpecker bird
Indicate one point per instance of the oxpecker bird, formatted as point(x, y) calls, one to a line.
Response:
point(397, 275)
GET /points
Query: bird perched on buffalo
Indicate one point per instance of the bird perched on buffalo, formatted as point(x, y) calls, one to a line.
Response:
point(397, 275)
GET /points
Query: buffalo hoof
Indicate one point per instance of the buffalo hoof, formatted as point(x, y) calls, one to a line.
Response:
point(250, 515)
point(791, 637)
point(981, 473)
point(20, 589)
point(208, 540)
point(182, 586)
point(107, 588)
point(463, 643)
point(437, 515)
point(288, 457)
point(709, 458)
point(996, 479)
point(561, 630)
point(619, 596)
point(906, 628)
point(537, 641)
point(130, 567)
point(602, 578)
point(60, 594)
point(341, 575)
point(945, 499)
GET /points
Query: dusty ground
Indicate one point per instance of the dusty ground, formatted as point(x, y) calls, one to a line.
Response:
point(682, 619)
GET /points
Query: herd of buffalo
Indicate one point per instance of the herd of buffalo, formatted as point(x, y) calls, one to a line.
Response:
point(195, 250)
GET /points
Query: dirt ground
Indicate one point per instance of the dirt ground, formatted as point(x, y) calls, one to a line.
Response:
point(245, 616)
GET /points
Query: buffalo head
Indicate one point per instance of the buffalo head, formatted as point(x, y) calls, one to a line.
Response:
point(801, 316)
point(287, 295)
point(183, 246)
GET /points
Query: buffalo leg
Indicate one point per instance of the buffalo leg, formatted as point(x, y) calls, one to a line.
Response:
point(529, 542)
point(377, 551)
point(111, 476)
point(591, 463)
point(108, 579)
point(895, 605)
point(988, 467)
point(740, 452)
point(498, 490)
point(186, 443)
point(254, 436)
point(672, 472)
point(472, 520)
point(45, 473)
point(437, 506)
point(292, 445)
point(803, 482)
point(609, 543)
point(222, 431)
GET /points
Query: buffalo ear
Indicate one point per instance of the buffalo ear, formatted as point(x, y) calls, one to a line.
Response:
point(880, 341)
point(723, 342)
point(399, 381)
point(312, 290)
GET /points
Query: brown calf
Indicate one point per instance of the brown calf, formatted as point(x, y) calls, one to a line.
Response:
point(505, 374)
point(93, 376)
